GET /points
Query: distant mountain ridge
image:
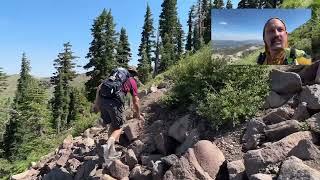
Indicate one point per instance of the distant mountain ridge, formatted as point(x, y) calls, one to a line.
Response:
point(12, 81)
point(221, 44)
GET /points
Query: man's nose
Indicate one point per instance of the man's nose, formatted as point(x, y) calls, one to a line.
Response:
point(276, 32)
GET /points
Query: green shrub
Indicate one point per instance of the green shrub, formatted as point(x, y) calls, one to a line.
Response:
point(244, 91)
point(224, 94)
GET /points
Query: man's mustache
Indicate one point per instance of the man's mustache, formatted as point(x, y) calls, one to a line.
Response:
point(275, 39)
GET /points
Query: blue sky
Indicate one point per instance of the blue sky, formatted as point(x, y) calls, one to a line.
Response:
point(247, 24)
point(39, 28)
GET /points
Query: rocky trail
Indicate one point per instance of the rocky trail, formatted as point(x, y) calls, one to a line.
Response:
point(281, 143)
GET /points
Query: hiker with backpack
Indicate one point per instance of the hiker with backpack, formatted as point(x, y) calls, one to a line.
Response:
point(110, 102)
point(275, 37)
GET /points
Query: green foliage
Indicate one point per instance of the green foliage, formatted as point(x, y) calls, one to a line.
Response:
point(29, 120)
point(197, 39)
point(180, 39)
point(13, 136)
point(296, 3)
point(5, 168)
point(80, 116)
point(101, 52)
point(171, 34)
point(259, 4)
point(243, 93)
point(23, 80)
point(62, 77)
point(167, 54)
point(218, 4)
point(315, 30)
point(146, 48)
point(3, 83)
point(123, 55)
point(4, 115)
point(34, 150)
point(144, 68)
point(229, 4)
point(189, 45)
point(300, 38)
point(224, 94)
point(249, 59)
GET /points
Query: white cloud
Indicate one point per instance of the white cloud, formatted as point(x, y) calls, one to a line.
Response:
point(223, 23)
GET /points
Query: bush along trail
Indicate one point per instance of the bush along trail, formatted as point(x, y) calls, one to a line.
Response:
point(280, 143)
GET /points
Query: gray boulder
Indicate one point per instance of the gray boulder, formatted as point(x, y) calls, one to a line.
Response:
point(294, 168)
point(277, 115)
point(133, 129)
point(236, 170)
point(253, 133)
point(280, 130)
point(119, 170)
point(178, 130)
point(285, 82)
point(257, 160)
point(274, 100)
point(314, 122)
point(130, 158)
point(187, 168)
point(58, 173)
point(301, 113)
point(311, 95)
point(209, 157)
point(189, 141)
point(305, 150)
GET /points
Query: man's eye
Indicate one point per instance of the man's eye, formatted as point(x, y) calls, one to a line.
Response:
point(280, 29)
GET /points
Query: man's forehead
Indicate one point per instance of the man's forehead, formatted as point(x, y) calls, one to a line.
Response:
point(274, 23)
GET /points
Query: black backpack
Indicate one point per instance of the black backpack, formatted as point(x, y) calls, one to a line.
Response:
point(112, 87)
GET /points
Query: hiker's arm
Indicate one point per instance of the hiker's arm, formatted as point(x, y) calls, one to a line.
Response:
point(96, 108)
point(136, 107)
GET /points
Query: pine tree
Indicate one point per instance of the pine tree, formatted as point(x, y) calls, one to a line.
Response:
point(3, 83)
point(146, 47)
point(253, 4)
point(218, 4)
point(202, 24)
point(242, 4)
point(206, 8)
point(123, 49)
point(144, 67)
point(12, 139)
point(23, 80)
point(180, 40)
point(197, 39)
point(101, 52)
point(62, 77)
point(77, 105)
point(229, 5)
point(157, 56)
point(34, 115)
point(29, 118)
point(167, 54)
point(169, 32)
point(272, 3)
point(189, 45)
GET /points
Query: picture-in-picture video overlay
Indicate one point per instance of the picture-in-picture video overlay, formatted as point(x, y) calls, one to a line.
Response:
point(263, 36)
